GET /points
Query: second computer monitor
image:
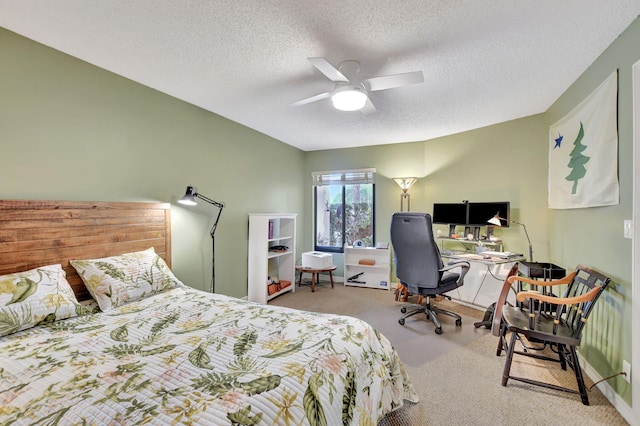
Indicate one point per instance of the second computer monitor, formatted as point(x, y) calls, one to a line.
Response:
point(480, 213)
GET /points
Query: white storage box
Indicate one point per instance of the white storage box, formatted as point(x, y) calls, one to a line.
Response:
point(316, 260)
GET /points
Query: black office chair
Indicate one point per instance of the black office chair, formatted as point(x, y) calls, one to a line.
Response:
point(419, 265)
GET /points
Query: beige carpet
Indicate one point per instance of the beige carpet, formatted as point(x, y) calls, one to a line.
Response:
point(457, 374)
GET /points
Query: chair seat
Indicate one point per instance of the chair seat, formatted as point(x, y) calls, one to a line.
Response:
point(449, 282)
point(517, 320)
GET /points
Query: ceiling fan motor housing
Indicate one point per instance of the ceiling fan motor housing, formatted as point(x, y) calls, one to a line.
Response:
point(351, 94)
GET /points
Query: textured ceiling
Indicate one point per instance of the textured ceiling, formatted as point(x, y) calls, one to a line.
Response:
point(484, 61)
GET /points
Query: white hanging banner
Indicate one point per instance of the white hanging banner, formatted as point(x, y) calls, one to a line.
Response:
point(583, 152)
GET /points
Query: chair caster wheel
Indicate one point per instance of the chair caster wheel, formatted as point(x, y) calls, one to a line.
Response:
point(403, 310)
point(439, 330)
point(458, 323)
point(401, 321)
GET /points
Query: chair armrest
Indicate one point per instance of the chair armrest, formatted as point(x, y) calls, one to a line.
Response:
point(566, 280)
point(586, 297)
point(462, 264)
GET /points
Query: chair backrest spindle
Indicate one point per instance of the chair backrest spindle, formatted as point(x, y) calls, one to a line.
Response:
point(585, 281)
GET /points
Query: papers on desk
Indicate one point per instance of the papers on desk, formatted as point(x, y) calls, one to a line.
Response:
point(500, 254)
point(467, 255)
point(487, 256)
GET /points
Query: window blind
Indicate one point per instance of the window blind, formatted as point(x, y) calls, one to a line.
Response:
point(344, 177)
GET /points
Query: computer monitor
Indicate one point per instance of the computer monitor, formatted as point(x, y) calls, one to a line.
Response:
point(449, 213)
point(480, 213)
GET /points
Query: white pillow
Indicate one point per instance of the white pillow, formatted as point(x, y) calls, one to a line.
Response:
point(116, 280)
point(36, 296)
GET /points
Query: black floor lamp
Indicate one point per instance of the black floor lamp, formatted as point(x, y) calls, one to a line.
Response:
point(189, 199)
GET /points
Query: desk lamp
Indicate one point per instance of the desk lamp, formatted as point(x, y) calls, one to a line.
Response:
point(496, 221)
point(405, 184)
point(189, 199)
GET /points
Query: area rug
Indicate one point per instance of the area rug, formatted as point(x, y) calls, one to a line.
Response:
point(457, 374)
point(463, 388)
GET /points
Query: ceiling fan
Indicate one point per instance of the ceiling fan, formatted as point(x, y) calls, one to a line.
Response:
point(352, 94)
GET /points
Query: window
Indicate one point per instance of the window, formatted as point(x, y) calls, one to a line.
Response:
point(344, 209)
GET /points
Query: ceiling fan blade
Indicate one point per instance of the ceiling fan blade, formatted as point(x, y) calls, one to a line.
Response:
point(369, 108)
point(328, 70)
point(392, 81)
point(312, 99)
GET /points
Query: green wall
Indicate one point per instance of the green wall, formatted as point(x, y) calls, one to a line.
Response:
point(595, 236)
point(72, 131)
point(481, 165)
point(69, 130)
point(509, 161)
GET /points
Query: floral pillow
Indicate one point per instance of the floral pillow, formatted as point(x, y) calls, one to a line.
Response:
point(36, 296)
point(116, 280)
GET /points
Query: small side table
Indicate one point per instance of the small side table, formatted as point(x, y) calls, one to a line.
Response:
point(315, 274)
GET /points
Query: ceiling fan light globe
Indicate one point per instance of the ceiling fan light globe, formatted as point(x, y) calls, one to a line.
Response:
point(349, 100)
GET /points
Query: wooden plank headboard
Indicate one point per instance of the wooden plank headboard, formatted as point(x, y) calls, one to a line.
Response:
point(38, 233)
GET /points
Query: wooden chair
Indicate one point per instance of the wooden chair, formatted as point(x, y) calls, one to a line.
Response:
point(549, 323)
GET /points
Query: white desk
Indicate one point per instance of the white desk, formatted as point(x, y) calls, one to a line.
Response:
point(484, 280)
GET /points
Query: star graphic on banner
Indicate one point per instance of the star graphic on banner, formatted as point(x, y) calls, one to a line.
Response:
point(558, 141)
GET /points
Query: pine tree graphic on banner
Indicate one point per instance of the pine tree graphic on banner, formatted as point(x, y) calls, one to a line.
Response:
point(577, 161)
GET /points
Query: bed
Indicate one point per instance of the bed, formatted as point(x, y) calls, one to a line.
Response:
point(118, 339)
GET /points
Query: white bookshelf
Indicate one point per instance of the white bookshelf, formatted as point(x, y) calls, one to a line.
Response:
point(267, 230)
point(371, 276)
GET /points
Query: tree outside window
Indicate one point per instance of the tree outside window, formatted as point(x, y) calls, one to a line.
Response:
point(344, 212)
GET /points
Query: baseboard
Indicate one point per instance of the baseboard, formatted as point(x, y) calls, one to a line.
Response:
point(618, 403)
point(469, 305)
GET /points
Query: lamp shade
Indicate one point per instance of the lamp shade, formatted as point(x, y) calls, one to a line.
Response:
point(349, 98)
point(189, 197)
point(405, 183)
point(495, 220)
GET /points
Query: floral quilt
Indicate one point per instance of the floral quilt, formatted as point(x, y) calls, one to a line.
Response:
point(188, 357)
